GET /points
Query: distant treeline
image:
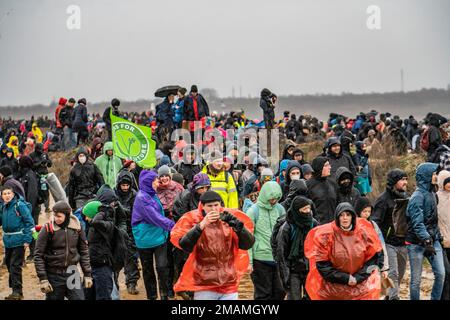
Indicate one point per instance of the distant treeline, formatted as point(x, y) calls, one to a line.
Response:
point(417, 103)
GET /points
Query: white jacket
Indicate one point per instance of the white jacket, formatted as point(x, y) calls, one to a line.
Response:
point(444, 208)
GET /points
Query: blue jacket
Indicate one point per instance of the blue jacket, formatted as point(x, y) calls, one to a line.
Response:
point(178, 110)
point(17, 222)
point(421, 212)
point(164, 113)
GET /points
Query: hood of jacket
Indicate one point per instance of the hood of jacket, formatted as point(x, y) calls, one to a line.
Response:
point(39, 148)
point(343, 173)
point(82, 150)
point(124, 177)
point(424, 173)
point(106, 195)
point(108, 146)
point(292, 165)
point(74, 223)
point(146, 179)
point(317, 166)
point(270, 190)
point(298, 188)
point(442, 176)
point(330, 142)
point(96, 141)
point(345, 206)
point(62, 101)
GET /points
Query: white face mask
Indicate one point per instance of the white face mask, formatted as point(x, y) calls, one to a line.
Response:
point(295, 177)
point(82, 159)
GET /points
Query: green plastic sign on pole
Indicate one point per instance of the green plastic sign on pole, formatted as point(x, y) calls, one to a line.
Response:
point(133, 142)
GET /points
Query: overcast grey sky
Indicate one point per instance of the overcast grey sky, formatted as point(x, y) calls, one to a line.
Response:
point(127, 49)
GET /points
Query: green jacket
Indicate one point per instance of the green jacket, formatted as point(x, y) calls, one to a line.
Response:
point(109, 166)
point(265, 216)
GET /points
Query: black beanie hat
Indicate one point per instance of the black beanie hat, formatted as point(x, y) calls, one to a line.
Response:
point(5, 171)
point(210, 196)
point(300, 202)
point(115, 102)
point(317, 165)
point(394, 176)
point(63, 207)
point(194, 88)
point(82, 100)
point(361, 204)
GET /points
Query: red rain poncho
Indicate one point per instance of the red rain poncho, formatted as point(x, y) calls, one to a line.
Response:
point(216, 263)
point(347, 251)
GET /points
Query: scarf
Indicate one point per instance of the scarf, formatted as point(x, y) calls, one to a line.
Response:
point(302, 223)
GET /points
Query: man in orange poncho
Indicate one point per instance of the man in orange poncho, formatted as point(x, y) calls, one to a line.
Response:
point(344, 256)
point(217, 239)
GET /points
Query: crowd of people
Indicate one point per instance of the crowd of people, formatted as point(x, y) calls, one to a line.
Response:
point(212, 210)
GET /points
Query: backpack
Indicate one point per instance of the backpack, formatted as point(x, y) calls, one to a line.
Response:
point(425, 140)
point(119, 249)
point(399, 217)
point(273, 239)
point(280, 222)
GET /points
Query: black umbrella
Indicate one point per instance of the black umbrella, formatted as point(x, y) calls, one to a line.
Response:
point(165, 91)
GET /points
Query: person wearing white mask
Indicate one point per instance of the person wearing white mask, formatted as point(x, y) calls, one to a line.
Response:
point(293, 172)
point(84, 180)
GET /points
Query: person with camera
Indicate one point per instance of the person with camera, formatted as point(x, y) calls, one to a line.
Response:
point(217, 239)
point(41, 163)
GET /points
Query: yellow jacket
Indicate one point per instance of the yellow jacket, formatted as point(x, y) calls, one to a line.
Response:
point(225, 187)
point(15, 147)
point(37, 133)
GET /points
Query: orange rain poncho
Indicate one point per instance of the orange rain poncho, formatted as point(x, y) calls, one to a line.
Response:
point(216, 263)
point(347, 251)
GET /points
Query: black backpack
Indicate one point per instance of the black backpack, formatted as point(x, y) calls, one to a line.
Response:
point(273, 239)
point(119, 248)
point(399, 217)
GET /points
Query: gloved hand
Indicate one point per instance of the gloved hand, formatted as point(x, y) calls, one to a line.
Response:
point(429, 252)
point(45, 286)
point(88, 283)
point(232, 221)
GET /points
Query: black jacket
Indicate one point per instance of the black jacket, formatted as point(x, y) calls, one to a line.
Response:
point(80, 117)
point(41, 160)
point(100, 236)
point(188, 171)
point(185, 202)
point(66, 116)
point(267, 106)
point(188, 109)
point(322, 191)
point(340, 160)
point(84, 181)
point(164, 113)
point(284, 242)
point(12, 163)
point(382, 215)
point(126, 199)
point(296, 188)
point(30, 183)
point(287, 180)
point(350, 194)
